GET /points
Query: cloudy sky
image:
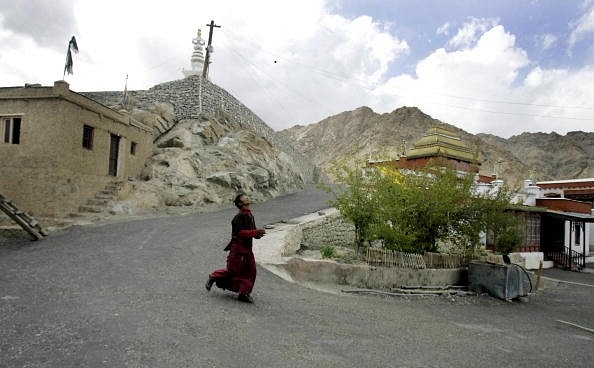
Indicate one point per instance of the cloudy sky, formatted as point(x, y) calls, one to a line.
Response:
point(502, 67)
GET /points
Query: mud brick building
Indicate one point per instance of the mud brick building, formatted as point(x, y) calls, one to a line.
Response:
point(59, 148)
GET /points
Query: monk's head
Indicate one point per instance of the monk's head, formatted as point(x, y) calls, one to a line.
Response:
point(241, 201)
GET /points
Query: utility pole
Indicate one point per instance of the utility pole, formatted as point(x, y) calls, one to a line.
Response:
point(208, 49)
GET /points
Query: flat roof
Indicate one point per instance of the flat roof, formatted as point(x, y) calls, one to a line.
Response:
point(566, 181)
point(571, 215)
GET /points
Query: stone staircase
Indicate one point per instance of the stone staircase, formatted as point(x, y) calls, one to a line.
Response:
point(100, 203)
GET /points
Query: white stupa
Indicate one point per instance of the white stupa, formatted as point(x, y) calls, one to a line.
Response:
point(197, 59)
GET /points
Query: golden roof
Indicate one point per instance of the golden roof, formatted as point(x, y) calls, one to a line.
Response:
point(440, 142)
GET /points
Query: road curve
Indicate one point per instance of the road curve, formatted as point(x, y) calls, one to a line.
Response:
point(131, 294)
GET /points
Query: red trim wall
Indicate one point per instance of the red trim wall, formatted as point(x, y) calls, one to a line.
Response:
point(565, 205)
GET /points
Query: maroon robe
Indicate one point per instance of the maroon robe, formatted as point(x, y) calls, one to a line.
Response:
point(240, 274)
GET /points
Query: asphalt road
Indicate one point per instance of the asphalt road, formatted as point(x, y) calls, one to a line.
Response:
point(131, 294)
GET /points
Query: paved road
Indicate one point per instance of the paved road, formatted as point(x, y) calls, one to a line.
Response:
point(131, 295)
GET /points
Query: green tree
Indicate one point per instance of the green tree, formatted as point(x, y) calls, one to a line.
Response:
point(415, 210)
point(422, 206)
point(354, 198)
point(507, 231)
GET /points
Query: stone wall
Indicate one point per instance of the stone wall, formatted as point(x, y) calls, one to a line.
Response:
point(316, 230)
point(368, 277)
point(329, 230)
point(194, 96)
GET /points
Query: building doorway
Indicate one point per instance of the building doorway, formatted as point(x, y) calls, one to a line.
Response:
point(553, 234)
point(114, 151)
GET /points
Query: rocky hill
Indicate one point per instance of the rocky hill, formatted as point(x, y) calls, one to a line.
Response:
point(362, 134)
point(551, 156)
point(204, 155)
point(207, 148)
point(207, 160)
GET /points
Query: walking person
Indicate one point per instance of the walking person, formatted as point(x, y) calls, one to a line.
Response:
point(240, 274)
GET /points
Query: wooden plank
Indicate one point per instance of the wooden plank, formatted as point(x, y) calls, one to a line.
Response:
point(22, 219)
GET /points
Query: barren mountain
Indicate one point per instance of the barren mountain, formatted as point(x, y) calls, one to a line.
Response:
point(551, 156)
point(362, 134)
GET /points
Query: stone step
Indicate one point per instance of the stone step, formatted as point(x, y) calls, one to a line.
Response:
point(91, 208)
point(114, 185)
point(105, 196)
point(98, 201)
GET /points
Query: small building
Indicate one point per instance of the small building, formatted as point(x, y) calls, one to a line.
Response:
point(558, 214)
point(438, 146)
point(439, 143)
point(559, 220)
point(59, 148)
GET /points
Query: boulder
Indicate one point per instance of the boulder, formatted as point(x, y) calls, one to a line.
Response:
point(200, 162)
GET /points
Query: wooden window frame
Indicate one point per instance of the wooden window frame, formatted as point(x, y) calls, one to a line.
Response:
point(10, 127)
point(88, 136)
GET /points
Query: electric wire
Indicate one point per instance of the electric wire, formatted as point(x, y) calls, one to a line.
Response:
point(258, 73)
point(344, 79)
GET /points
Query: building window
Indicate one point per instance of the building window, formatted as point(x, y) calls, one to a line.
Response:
point(532, 230)
point(133, 148)
point(87, 141)
point(11, 130)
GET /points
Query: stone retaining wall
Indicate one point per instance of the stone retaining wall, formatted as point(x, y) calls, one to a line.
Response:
point(368, 277)
point(329, 230)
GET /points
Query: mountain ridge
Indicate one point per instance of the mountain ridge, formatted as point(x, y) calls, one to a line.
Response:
point(363, 134)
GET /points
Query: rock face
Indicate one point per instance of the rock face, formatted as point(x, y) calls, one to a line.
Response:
point(205, 162)
point(362, 134)
point(359, 135)
point(551, 156)
point(208, 146)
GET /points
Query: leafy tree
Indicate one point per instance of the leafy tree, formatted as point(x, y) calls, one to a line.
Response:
point(439, 203)
point(413, 211)
point(507, 231)
point(355, 200)
point(421, 206)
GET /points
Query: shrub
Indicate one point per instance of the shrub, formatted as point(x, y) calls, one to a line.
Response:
point(328, 251)
point(508, 240)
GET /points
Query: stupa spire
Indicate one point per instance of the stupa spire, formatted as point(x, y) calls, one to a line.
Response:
point(197, 59)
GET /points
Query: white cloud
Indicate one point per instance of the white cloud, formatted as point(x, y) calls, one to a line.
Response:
point(444, 29)
point(297, 62)
point(477, 89)
point(23, 61)
point(547, 41)
point(320, 73)
point(581, 28)
point(471, 31)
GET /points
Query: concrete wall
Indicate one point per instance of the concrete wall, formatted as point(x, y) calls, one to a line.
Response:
point(316, 230)
point(364, 276)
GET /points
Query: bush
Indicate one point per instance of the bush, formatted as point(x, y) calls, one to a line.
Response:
point(508, 240)
point(328, 251)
